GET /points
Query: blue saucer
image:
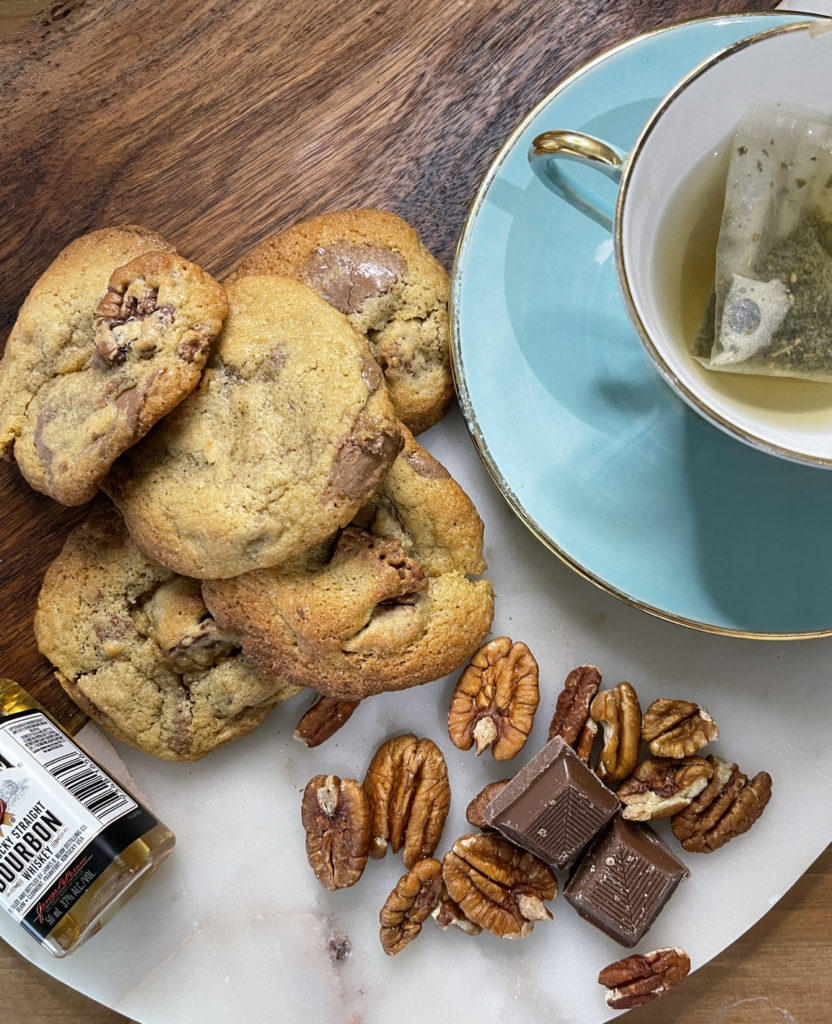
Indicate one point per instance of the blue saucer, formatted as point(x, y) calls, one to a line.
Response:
point(600, 459)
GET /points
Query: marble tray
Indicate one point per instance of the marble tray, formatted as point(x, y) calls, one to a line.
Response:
point(235, 927)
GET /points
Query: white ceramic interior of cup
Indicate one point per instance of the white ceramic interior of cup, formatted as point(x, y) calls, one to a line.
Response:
point(680, 160)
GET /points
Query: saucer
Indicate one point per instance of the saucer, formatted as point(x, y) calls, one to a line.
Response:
point(597, 456)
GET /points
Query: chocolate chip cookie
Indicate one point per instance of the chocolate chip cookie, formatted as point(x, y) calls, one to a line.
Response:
point(288, 434)
point(134, 646)
point(395, 600)
point(112, 336)
point(371, 266)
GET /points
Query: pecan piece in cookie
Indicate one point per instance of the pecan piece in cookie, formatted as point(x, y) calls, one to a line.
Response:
point(495, 699)
point(497, 885)
point(414, 898)
point(677, 728)
point(727, 807)
point(643, 977)
point(336, 817)
point(409, 796)
point(661, 786)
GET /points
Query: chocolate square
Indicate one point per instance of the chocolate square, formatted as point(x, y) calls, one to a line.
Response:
point(624, 880)
point(553, 806)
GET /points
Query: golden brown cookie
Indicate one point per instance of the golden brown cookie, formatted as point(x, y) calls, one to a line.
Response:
point(287, 435)
point(112, 336)
point(372, 267)
point(135, 647)
point(394, 601)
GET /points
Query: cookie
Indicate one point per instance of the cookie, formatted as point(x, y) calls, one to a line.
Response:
point(372, 267)
point(134, 646)
point(288, 434)
point(112, 336)
point(396, 600)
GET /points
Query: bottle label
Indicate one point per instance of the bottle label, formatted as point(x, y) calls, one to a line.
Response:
point(62, 821)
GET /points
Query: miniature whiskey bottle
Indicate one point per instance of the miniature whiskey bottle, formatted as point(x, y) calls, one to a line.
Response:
point(74, 844)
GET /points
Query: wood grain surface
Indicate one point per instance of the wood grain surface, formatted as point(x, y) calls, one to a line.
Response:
point(218, 123)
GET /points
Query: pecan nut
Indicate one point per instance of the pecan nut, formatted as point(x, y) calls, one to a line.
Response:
point(474, 812)
point(619, 714)
point(661, 786)
point(642, 977)
point(571, 720)
point(677, 728)
point(495, 699)
point(409, 796)
point(336, 816)
point(324, 719)
point(414, 898)
point(497, 885)
point(727, 807)
point(448, 912)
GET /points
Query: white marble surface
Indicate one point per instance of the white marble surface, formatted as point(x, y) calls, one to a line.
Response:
point(235, 927)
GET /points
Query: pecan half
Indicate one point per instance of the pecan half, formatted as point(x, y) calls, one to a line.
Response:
point(728, 806)
point(661, 786)
point(336, 817)
point(474, 810)
point(409, 796)
point(324, 719)
point(415, 897)
point(642, 977)
point(571, 719)
point(619, 714)
point(497, 885)
point(677, 728)
point(495, 699)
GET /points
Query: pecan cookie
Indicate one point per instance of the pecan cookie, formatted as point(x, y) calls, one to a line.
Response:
point(392, 602)
point(371, 266)
point(113, 335)
point(287, 435)
point(134, 646)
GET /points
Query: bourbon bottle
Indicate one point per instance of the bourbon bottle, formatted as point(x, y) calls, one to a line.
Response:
point(74, 844)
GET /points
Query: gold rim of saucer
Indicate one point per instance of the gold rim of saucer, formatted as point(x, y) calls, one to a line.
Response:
point(461, 387)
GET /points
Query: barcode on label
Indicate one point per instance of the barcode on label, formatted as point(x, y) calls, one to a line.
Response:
point(89, 785)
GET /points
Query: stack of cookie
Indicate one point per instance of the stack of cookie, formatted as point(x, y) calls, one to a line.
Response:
point(273, 523)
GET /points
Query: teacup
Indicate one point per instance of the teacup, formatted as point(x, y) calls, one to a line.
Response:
point(666, 218)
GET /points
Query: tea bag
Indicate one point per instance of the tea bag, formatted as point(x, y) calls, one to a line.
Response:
point(771, 309)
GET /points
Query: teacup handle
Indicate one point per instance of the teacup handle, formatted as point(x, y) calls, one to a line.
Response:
point(549, 152)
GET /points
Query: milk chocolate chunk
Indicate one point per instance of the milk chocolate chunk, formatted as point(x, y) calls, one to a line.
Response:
point(624, 880)
point(346, 275)
point(554, 805)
